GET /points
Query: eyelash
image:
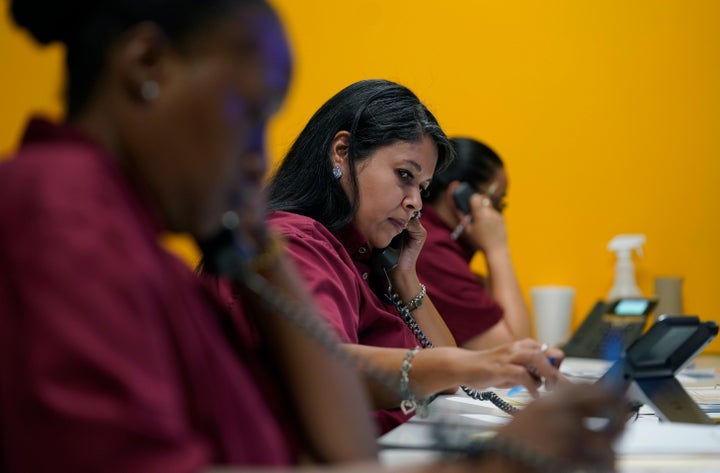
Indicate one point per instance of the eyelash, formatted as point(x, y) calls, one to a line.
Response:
point(406, 175)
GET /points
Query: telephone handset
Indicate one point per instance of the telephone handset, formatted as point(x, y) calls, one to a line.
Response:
point(461, 196)
point(225, 254)
point(386, 259)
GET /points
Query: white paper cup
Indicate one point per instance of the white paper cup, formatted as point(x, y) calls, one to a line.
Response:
point(552, 309)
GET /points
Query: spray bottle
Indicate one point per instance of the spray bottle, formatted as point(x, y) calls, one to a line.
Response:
point(624, 284)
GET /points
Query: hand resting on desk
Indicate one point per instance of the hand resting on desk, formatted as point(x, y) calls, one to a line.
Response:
point(557, 427)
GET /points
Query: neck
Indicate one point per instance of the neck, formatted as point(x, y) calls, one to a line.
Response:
point(98, 126)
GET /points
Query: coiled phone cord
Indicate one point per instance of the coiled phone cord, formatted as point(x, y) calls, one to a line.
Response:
point(424, 342)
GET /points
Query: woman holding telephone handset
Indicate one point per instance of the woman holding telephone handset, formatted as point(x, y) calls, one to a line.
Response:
point(114, 355)
point(463, 217)
point(351, 183)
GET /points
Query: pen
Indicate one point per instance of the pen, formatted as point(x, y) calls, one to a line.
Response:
point(516, 389)
point(460, 227)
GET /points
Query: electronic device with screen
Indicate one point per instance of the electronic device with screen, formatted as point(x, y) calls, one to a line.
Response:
point(651, 362)
point(610, 328)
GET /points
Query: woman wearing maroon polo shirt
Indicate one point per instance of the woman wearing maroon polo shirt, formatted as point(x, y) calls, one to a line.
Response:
point(114, 356)
point(480, 313)
point(350, 183)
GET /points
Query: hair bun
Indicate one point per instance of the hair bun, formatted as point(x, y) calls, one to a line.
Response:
point(50, 20)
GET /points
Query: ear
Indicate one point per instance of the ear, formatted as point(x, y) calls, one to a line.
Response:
point(140, 58)
point(340, 149)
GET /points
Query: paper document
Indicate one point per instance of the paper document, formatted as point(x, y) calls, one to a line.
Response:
point(669, 438)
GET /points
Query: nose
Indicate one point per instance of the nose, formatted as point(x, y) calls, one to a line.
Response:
point(413, 200)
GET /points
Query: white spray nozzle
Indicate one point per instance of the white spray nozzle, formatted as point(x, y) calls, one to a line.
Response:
point(624, 284)
point(623, 244)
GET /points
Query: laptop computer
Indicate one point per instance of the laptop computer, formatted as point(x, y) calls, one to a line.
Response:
point(610, 327)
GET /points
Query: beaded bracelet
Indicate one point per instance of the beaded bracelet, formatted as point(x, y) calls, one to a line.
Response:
point(269, 254)
point(416, 301)
point(409, 404)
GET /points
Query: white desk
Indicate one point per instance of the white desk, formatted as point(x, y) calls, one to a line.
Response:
point(646, 446)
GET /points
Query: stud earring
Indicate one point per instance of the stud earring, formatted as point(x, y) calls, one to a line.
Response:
point(149, 90)
point(337, 172)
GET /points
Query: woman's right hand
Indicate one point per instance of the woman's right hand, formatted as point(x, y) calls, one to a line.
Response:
point(519, 363)
point(576, 426)
point(486, 230)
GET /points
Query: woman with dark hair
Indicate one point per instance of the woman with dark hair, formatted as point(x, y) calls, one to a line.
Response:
point(114, 355)
point(463, 216)
point(350, 184)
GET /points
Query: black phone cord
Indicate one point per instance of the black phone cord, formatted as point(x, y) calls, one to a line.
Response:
point(424, 342)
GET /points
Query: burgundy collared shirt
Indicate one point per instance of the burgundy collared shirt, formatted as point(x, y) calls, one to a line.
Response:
point(111, 354)
point(336, 268)
point(459, 296)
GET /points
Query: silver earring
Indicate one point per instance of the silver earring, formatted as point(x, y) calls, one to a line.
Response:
point(149, 90)
point(337, 172)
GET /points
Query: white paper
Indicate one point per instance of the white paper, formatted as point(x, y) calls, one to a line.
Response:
point(669, 438)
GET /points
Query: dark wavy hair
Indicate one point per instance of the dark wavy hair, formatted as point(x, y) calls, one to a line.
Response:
point(475, 162)
point(89, 27)
point(376, 113)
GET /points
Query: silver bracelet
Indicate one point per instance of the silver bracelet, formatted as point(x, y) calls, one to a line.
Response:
point(408, 404)
point(416, 301)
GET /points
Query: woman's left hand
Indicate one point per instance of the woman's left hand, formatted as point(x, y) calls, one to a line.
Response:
point(414, 241)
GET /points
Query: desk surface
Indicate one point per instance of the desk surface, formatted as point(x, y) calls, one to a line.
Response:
point(646, 446)
point(711, 360)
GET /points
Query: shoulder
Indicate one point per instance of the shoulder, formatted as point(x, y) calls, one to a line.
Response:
point(310, 243)
point(57, 178)
point(64, 200)
point(299, 227)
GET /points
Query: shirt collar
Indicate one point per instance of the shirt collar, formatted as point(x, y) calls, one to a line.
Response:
point(41, 130)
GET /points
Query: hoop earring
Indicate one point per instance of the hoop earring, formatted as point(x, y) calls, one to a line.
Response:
point(337, 172)
point(149, 90)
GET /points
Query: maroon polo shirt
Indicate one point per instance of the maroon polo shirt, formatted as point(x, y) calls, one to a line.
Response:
point(457, 293)
point(111, 355)
point(337, 271)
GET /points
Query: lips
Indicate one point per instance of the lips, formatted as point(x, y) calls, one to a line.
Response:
point(399, 224)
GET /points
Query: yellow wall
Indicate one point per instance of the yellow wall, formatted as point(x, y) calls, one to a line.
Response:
point(607, 114)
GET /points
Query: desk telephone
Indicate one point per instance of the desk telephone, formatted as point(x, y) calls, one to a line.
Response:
point(651, 362)
point(610, 328)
